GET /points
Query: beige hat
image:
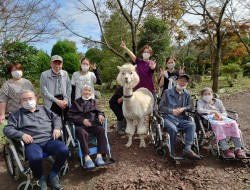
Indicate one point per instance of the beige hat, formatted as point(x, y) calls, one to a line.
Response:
point(56, 58)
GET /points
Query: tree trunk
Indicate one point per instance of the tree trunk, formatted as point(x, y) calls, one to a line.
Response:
point(216, 68)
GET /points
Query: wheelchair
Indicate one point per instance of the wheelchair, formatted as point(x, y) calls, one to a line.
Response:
point(161, 139)
point(75, 148)
point(18, 166)
point(207, 136)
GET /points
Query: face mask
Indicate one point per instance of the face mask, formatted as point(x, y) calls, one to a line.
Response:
point(146, 56)
point(84, 98)
point(29, 104)
point(85, 67)
point(56, 72)
point(17, 74)
point(180, 87)
point(170, 66)
point(207, 98)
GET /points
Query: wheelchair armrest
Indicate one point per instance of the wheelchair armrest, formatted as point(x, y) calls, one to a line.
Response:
point(231, 111)
point(20, 142)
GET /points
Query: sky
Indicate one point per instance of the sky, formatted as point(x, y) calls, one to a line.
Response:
point(84, 23)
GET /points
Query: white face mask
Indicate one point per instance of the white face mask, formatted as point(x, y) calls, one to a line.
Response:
point(146, 56)
point(29, 104)
point(207, 98)
point(84, 98)
point(56, 72)
point(180, 87)
point(85, 67)
point(170, 66)
point(17, 74)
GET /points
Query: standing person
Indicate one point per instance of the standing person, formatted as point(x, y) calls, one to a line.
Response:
point(145, 67)
point(84, 77)
point(39, 128)
point(115, 104)
point(174, 103)
point(55, 86)
point(88, 118)
point(223, 127)
point(168, 77)
point(9, 94)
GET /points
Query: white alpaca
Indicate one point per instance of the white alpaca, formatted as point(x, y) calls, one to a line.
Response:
point(136, 105)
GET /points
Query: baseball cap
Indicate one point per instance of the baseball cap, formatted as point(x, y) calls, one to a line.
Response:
point(56, 58)
point(184, 75)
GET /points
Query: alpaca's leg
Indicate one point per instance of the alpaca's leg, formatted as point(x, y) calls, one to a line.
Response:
point(130, 130)
point(142, 131)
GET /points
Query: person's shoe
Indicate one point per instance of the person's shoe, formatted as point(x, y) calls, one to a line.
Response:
point(54, 183)
point(190, 154)
point(228, 153)
point(99, 161)
point(89, 164)
point(240, 154)
point(42, 184)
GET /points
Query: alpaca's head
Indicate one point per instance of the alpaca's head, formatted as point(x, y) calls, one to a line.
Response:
point(127, 76)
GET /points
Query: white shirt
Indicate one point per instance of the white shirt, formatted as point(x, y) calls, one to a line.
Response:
point(79, 80)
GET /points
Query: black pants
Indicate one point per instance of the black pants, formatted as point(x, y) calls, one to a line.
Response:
point(99, 132)
point(117, 109)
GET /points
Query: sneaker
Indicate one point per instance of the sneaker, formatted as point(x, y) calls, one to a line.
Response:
point(89, 164)
point(42, 184)
point(190, 154)
point(54, 183)
point(99, 161)
point(228, 153)
point(240, 154)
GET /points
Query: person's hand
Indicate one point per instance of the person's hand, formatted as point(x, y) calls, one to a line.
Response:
point(27, 138)
point(2, 118)
point(100, 118)
point(56, 133)
point(162, 72)
point(181, 110)
point(182, 70)
point(87, 123)
point(176, 112)
point(93, 66)
point(218, 116)
point(123, 44)
point(62, 103)
point(152, 65)
point(120, 100)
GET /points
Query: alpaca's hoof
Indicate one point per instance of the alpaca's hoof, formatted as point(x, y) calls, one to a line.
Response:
point(143, 145)
point(128, 145)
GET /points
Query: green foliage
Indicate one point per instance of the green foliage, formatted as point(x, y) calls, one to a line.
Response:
point(63, 47)
point(231, 71)
point(71, 62)
point(67, 50)
point(94, 55)
point(155, 32)
point(246, 70)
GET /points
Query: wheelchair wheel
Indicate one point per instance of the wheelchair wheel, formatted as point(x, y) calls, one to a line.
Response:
point(11, 163)
point(161, 152)
point(64, 170)
point(22, 186)
point(153, 131)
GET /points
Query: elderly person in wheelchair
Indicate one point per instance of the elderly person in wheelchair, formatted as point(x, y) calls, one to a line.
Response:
point(223, 126)
point(88, 118)
point(39, 128)
point(173, 104)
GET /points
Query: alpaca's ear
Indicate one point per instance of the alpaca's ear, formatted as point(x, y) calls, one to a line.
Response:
point(119, 68)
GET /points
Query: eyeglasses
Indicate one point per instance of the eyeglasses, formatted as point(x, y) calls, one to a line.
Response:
point(183, 81)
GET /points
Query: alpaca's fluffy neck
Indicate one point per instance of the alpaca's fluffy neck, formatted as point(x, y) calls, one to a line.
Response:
point(128, 102)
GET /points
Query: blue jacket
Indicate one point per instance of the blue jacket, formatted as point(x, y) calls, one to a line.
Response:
point(169, 102)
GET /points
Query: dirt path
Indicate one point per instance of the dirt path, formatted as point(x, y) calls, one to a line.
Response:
point(142, 169)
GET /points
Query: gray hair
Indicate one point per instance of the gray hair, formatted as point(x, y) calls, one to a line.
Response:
point(26, 91)
point(86, 86)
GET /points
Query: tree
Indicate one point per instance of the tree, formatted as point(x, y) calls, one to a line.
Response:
point(155, 32)
point(94, 55)
point(132, 12)
point(26, 21)
point(68, 51)
point(212, 21)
